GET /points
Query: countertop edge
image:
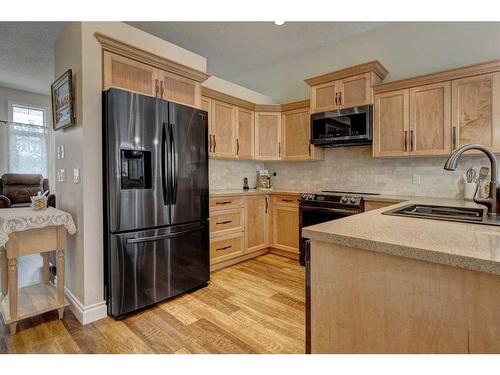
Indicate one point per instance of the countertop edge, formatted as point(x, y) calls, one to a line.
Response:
point(454, 260)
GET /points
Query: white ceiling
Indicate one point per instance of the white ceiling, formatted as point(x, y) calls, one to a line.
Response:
point(233, 48)
point(27, 55)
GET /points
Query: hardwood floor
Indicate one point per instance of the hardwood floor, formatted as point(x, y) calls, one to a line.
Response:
point(253, 307)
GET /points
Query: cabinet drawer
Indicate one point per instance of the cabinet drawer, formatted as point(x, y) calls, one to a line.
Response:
point(224, 203)
point(226, 221)
point(374, 205)
point(226, 247)
point(286, 199)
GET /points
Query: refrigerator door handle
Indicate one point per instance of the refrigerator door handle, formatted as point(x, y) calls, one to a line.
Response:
point(164, 163)
point(162, 237)
point(174, 163)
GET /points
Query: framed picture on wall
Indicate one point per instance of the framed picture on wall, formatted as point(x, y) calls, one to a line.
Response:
point(63, 114)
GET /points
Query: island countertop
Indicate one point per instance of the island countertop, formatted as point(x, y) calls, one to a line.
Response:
point(469, 246)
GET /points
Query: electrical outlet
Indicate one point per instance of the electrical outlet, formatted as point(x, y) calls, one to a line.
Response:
point(61, 152)
point(416, 179)
point(58, 152)
point(76, 175)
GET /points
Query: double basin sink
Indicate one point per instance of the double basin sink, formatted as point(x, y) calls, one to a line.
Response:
point(460, 214)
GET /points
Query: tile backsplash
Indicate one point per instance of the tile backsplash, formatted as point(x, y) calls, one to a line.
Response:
point(354, 169)
point(351, 168)
point(229, 174)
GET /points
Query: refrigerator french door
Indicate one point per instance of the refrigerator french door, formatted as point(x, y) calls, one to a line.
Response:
point(155, 200)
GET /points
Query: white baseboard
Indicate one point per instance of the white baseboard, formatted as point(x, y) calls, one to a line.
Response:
point(86, 314)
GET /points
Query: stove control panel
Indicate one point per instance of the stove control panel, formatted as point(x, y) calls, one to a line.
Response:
point(347, 200)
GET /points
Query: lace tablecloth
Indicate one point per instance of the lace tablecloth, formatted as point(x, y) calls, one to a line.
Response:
point(21, 219)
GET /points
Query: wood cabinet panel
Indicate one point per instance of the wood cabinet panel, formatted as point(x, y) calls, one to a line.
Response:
point(267, 135)
point(323, 97)
point(127, 74)
point(391, 124)
point(355, 91)
point(224, 203)
point(226, 247)
point(226, 221)
point(223, 129)
point(179, 89)
point(476, 111)
point(245, 140)
point(296, 134)
point(286, 227)
point(374, 205)
point(257, 223)
point(430, 124)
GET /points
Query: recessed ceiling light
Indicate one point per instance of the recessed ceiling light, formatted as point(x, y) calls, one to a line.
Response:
point(279, 23)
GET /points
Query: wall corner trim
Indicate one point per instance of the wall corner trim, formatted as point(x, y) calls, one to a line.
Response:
point(86, 314)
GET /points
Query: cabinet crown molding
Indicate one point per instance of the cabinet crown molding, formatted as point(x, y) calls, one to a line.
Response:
point(300, 104)
point(124, 49)
point(371, 66)
point(445, 75)
point(217, 95)
point(268, 108)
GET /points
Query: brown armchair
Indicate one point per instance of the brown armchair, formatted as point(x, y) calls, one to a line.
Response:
point(16, 189)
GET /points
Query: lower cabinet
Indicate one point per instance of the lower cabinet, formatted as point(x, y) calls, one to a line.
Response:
point(286, 227)
point(242, 227)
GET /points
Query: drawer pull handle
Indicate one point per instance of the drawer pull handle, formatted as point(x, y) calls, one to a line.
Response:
point(224, 222)
point(287, 200)
point(225, 202)
point(223, 248)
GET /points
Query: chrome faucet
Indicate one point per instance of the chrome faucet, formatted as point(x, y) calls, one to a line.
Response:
point(493, 200)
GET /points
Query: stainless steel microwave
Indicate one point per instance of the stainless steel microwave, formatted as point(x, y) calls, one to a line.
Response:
point(344, 127)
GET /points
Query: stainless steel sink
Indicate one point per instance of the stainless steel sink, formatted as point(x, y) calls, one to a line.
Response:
point(461, 214)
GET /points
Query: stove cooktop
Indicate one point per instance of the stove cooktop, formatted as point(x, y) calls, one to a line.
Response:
point(346, 192)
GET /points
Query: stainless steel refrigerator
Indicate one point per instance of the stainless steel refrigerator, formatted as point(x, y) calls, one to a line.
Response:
point(156, 233)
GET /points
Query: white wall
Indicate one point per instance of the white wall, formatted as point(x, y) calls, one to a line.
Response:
point(405, 49)
point(29, 98)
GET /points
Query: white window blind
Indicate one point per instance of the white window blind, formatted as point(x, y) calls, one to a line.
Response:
point(28, 140)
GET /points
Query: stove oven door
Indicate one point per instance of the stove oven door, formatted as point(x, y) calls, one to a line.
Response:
point(311, 215)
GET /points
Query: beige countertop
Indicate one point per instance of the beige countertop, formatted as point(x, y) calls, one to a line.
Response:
point(470, 246)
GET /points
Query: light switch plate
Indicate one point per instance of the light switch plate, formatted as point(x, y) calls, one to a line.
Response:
point(58, 152)
point(76, 175)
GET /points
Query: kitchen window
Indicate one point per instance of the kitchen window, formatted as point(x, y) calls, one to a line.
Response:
point(28, 139)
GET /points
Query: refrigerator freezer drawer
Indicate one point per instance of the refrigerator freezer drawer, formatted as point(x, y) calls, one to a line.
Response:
point(150, 266)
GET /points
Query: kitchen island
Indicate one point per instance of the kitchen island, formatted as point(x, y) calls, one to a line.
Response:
point(389, 284)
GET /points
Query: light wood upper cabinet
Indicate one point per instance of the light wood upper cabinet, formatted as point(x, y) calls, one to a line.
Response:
point(257, 223)
point(324, 97)
point(128, 74)
point(245, 133)
point(268, 136)
point(430, 126)
point(222, 133)
point(179, 89)
point(355, 91)
point(391, 124)
point(476, 111)
point(296, 134)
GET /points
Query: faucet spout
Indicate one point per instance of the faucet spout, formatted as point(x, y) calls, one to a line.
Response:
point(493, 200)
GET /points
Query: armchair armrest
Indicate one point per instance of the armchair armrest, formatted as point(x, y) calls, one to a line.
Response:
point(51, 200)
point(4, 201)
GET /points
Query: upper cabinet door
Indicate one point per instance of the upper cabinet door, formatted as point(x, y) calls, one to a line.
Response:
point(268, 136)
point(391, 124)
point(430, 125)
point(476, 111)
point(354, 91)
point(245, 138)
point(179, 89)
point(127, 74)
point(297, 134)
point(324, 97)
point(223, 129)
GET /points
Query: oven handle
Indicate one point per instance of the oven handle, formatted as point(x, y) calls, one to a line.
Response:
point(330, 210)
